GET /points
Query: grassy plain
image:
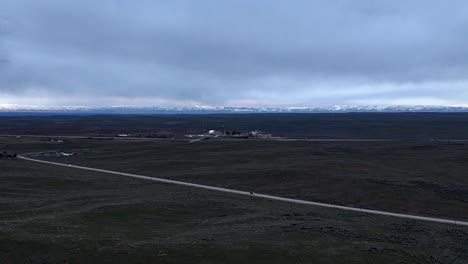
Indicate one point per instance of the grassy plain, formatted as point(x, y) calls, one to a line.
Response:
point(425, 178)
point(51, 214)
point(415, 126)
point(59, 215)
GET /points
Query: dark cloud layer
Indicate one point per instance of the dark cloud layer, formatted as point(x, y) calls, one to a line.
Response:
point(241, 52)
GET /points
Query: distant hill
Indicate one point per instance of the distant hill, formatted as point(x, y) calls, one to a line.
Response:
point(32, 110)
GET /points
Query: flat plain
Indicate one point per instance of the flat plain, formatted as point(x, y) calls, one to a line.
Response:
point(59, 215)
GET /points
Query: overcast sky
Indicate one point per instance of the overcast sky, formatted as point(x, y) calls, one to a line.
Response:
point(233, 52)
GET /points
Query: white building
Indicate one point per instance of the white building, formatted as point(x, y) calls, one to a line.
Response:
point(67, 154)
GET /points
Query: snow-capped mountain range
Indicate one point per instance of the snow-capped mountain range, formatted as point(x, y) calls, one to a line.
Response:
point(15, 109)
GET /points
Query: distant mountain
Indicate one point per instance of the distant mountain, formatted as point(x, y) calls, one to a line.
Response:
point(66, 110)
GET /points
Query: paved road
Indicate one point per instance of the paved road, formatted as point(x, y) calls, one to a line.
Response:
point(251, 194)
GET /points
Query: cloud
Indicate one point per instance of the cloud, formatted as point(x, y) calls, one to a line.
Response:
point(210, 52)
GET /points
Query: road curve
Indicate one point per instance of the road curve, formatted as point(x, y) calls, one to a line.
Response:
point(251, 194)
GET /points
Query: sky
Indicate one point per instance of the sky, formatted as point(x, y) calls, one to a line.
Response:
point(233, 52)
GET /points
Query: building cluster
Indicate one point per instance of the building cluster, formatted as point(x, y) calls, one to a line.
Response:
point(57, 154)
point(51, 140)
point(235, 133)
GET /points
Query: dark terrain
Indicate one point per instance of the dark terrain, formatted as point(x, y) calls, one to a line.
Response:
point(50, 214)
point(58, 215)
point(414, 126)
